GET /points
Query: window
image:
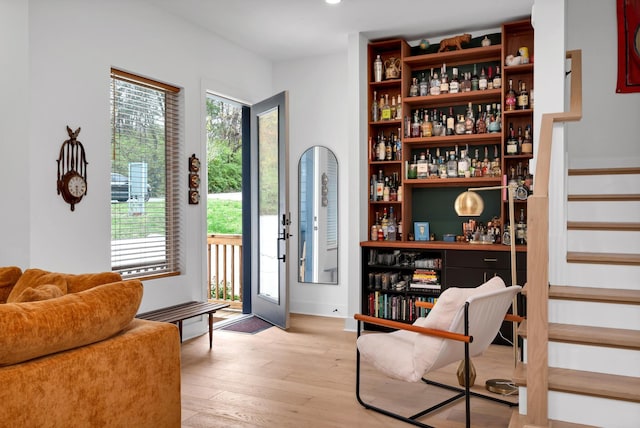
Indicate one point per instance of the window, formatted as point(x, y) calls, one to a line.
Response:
point(145, 185)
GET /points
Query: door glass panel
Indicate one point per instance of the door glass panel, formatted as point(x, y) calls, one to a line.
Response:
point(268, 204)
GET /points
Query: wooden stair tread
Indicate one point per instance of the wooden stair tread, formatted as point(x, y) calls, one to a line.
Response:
point(603, 225)
point(592, 294)
point(589, 335)
point(520, 421)
point(604, 171)
point(603, 385)
point(603, 258)
point(604, 197)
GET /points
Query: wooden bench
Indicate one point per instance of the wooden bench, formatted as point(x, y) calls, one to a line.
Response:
point(183, 311)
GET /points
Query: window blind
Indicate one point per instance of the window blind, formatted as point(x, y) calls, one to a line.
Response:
point(145, 187)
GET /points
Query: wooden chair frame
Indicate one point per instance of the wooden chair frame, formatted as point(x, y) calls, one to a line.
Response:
point(465, 392)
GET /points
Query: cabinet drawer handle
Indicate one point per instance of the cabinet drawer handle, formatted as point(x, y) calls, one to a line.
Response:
point(490, 260)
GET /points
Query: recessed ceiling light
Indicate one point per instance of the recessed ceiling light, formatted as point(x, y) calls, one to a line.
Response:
point(332, 1)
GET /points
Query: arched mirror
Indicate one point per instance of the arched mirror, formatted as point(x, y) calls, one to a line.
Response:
point(318, 214)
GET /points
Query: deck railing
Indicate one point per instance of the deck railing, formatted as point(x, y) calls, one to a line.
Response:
point(224, 263)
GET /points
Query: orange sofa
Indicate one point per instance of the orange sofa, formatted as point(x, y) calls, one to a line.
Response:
point(72, 353)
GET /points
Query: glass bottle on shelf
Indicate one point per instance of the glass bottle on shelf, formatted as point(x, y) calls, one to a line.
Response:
point(427, 126)
point(375, 113)
point(435, 85)
point(452, 165)
point(392, 113)
point(454, 85)
point(382, 149)
point(522, 100)
point(391, 226)
point(413, 169)
point(520, 139)
point(444, 80)
point(481, 121)
point(379, 186)
point(527, 143)
point(399, 108)
point(388, 148)
point(385, 114)
point(497, 79)
point(469, 121)
point(386, 190)
point(423, 88)
point(474, 78)
point(510, 98)
point(521, 229)
point(512, 143)
point(423, 166)
point(460, 125)
point(372, 187)
point(482, 80)
point(442, 165)
point(415, 125)
point(496, 170)
point(398, 153)
point(384, 224)
point(464, 164)
point(413, 89)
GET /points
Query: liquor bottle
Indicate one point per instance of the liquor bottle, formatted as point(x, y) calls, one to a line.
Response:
point(497, 79)
point(372, 187)
point(427, 126)
point(527, 143)
point(520, 139)
point(482, 80)
point(490, 77)
point(469, 121)
point(385, 114)
point(481, 122)
point(435, 85)
point(423, 166)
point(444, 80)
point(388, 149)
point(452, 165)
point(521, 229)
point(474, 78)
point(454, 85)
point(386, 190)
point(451, 122)
point(465, 85)
point(459, 126)
point(398, 151)
point(423, 88)
point(463, 164)
point(391, 226)
point(399, 109)
point(499, 117)
point(496, 171)
point(382, 149)
point(512, 143)
point(510, 98)
point(392, 113)
point(415, 125)
point(379, 186)
point(522, 100)
point(413, 89)
point(384, 224)
point(377, 69)
point(375, 113)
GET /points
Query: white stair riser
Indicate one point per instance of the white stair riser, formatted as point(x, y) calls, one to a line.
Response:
point(603, 276)
point(616, 211)
point(594, 314)
point(615, 361)
point(603, 184)
point(594, 411)
point(600, 241)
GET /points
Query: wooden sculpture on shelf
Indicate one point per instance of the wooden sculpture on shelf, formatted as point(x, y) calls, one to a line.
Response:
point(454, 42)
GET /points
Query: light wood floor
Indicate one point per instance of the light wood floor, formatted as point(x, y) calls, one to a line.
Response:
point(305, 377)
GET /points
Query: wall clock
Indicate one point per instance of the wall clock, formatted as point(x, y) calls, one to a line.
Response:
point(72, 170)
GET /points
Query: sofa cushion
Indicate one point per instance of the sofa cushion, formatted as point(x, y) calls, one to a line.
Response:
point(33, 329)
point(33, 278)
point(85, 281)
point(9, 275)
point(41, 292)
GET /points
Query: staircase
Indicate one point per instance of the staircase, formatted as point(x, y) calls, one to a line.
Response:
point(582, 336)
point(594, 321)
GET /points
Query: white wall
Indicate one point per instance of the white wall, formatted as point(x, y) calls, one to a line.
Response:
point(609, 130)
point(15, 172)
point(72, 45)
point(318, 116)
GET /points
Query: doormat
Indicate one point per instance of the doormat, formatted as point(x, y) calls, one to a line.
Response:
point(250, 325)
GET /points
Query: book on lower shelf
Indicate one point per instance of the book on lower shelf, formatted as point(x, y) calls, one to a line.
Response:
point(397, 307)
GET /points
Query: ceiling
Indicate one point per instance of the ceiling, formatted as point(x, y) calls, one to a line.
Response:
point(290, 29)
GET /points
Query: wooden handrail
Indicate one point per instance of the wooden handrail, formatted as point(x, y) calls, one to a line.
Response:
point(410, 327)
point(538, 255)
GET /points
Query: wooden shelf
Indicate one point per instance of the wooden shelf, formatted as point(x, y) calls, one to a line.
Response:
point(455, 57)
point(477, 139)
point(461, 98)
point(453, 182)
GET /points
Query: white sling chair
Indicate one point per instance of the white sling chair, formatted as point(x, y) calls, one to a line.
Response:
point(461, 325)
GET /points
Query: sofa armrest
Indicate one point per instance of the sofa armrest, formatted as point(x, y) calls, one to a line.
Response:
point(131, 379)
